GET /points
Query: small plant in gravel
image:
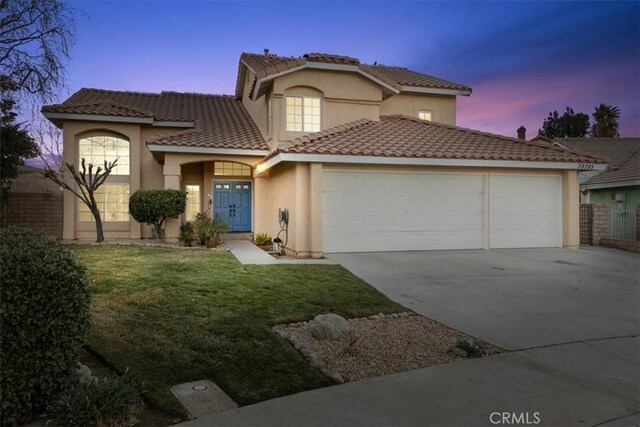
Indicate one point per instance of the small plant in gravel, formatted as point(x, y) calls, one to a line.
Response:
point(472, 348)
point(103, 403)
point(262, 239)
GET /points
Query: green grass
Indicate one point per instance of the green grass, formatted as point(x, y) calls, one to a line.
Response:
point(170, 316)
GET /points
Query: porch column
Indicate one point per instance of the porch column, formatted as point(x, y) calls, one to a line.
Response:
point(302, 220)
point(260, 205)
point(172, 178)
point(315, 211)
point(570, 209)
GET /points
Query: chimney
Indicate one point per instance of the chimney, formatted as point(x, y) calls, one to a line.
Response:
point(522, 132)
point(266, 53)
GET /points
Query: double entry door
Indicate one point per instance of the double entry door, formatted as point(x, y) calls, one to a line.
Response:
point(232, 204)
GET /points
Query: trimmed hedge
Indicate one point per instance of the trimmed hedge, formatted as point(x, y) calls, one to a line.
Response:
point(153, 207)
point(44, 315)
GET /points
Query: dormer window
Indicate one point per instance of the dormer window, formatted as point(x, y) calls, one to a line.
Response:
point(303, 114)
point(425, 115)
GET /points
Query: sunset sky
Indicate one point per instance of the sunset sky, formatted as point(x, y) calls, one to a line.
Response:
point(522, 59)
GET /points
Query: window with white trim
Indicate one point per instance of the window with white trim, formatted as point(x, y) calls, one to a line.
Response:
point(193, 201)
point(97, 149)
point(113, 204)
point(303, 114)
point(425, 115)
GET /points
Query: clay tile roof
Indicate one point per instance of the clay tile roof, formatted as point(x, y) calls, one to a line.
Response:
point(628, 170)
point(615, 150)
point(219, 121)
point(331, 59)
point(406, 77)
point(402, 136)
point(266, 65)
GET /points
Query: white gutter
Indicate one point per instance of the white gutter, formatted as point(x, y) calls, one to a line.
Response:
point(376, 160)
point(119, 119)
point(205, 150)
point(610, 184)
point(322, 66)
point(436, 91)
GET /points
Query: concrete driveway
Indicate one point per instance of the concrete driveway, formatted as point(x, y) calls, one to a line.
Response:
point(516, 298)
point(572, 317)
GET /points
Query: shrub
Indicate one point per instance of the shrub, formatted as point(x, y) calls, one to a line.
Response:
point(107, 402)
point(44, 316)
point(262, 239)
point(187, 234)
point(153, 207)
point(208, 230)
point(473, 348)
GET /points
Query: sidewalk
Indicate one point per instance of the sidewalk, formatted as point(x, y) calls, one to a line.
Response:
point(464, 393)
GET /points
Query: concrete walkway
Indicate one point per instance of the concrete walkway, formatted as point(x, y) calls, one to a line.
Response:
point(548, 382)
point(248, 253)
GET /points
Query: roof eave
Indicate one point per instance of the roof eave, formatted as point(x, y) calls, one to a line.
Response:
point(602, 185)
point(119, 119)
point(161, 148)
point(420, 161)
point(436, 91)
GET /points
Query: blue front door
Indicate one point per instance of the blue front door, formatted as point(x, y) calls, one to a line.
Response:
point(232, 204)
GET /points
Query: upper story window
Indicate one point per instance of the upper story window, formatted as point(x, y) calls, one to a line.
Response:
point(303, 114)
point(231, 169)
point(425, 115)
point(97, 149)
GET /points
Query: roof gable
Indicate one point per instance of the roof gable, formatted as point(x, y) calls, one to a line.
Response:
point(394, 79)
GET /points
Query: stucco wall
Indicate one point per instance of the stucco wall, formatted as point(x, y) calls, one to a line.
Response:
point(443, 107)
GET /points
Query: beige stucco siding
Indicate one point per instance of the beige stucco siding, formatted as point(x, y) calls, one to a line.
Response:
point(443, 107)
point(345, 97)
point(258, 108)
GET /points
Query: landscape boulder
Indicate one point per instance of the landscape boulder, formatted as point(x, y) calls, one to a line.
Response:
point(329, 326)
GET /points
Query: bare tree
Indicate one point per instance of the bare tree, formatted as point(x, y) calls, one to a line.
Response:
point(35, 39)
point(88, 181)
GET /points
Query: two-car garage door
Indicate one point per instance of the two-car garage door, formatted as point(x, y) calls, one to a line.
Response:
point(366, 211)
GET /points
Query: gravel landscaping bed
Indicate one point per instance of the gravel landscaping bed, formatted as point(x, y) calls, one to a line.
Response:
point(383, 344)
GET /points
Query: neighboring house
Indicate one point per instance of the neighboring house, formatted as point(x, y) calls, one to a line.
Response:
point(363, 157)
point(619, 185)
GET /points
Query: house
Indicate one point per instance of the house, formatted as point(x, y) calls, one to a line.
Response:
point(362, 157)
point(619, 185)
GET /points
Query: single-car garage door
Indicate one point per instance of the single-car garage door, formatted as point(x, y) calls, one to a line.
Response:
point(394, 211)
point(526, 211)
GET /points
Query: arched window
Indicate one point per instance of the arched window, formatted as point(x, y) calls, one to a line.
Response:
point(97, 149)
point(113, 195)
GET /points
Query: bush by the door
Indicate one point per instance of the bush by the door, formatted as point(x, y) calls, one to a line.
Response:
point(44, 301)
point(153, 207)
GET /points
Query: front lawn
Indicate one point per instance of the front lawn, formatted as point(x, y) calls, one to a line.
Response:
point(170, 316)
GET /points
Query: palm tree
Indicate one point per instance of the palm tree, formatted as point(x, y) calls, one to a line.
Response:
point(605, 121)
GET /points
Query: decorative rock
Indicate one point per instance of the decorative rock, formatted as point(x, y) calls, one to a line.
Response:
point(84, 374)
point(329, 326)
point(337, 378)
point(405, 314)
point(315, 361)
point(395, 315)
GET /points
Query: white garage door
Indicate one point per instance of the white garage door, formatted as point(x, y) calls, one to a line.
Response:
point(392, 211)
point(526, 211)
